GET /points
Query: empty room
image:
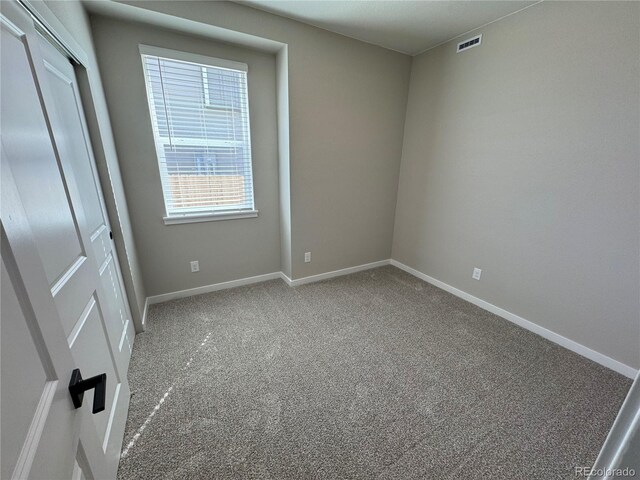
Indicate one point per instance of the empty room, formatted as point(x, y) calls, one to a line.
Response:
point(320, 239)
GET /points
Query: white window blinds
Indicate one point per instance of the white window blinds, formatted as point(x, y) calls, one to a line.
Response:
point(200, 119)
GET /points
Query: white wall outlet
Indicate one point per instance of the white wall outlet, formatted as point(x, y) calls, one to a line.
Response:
point(195, 266)
point(476, 274)
point(307, 257)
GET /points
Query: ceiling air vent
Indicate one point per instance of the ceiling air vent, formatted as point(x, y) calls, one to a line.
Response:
point(467, 44)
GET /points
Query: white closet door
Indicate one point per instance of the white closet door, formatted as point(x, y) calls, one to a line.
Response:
point(70, 132)
point(62, 302)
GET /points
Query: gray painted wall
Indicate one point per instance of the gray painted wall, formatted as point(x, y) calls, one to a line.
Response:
point(347, 107)
point(227, 250)
point(521, 157)
point(74, 18)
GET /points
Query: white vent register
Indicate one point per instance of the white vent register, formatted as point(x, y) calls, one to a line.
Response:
point(470, 43)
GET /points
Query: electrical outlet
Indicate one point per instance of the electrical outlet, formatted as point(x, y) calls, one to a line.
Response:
point(307, 257)
point(195, 266)
point(476, 274)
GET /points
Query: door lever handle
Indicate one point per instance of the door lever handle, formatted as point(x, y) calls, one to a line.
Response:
point(77, 387)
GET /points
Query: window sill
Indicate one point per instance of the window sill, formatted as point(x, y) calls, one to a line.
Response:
point(209, 217)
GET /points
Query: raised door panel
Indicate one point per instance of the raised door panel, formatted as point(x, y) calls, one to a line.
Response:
point(43, 195)
point(115, 304)
point(91, 350)
point(73, 150)
point(21, 394)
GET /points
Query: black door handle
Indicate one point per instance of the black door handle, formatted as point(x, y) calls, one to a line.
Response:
point(77, 387)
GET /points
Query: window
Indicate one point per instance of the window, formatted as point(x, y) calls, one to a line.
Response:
point(200, 118)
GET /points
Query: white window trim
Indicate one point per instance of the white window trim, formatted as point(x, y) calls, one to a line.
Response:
point(192, 58)
point(176, 219)
point(209, 217)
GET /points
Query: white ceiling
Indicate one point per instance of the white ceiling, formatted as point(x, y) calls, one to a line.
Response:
point(403, 25)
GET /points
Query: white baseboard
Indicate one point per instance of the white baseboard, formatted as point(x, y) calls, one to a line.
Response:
point(286, 279)
point(576, 347)
point(335, 273)
point(165, 297)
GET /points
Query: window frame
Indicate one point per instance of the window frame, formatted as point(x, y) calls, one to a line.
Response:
point(198, 214)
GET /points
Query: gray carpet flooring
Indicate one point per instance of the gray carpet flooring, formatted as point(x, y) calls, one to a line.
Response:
point(371, 375)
